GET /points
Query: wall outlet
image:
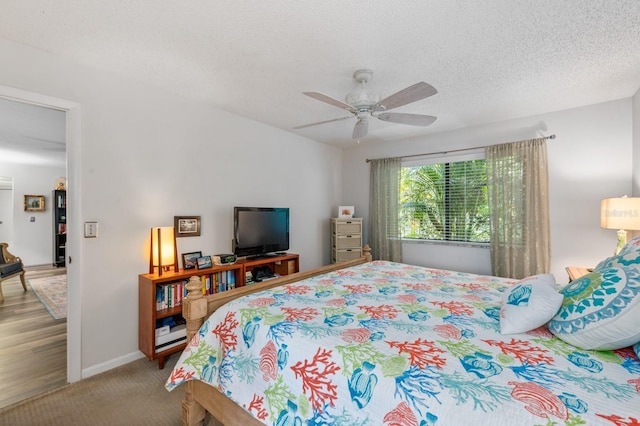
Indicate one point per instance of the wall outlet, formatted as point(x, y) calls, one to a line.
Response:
point(91, 229)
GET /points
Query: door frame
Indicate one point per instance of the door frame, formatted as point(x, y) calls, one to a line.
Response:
point(74, 240)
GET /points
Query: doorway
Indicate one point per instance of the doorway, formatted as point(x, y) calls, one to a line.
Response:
point(6, 209)
point(33, 162)
point(74, 241)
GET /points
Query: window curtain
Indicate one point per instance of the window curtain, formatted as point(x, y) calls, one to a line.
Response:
point(384, 190)
point(518, 192)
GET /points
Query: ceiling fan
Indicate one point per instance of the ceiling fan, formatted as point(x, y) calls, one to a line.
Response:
point(363, 104)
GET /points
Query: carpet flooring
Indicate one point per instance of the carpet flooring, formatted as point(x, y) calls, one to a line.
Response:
point(132, 394)
point(52, 293)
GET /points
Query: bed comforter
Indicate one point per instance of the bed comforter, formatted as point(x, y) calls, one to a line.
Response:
point(391, 344)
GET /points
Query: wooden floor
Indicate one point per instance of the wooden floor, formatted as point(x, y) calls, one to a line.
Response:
point(33, 345)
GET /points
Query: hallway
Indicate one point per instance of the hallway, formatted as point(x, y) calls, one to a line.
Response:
point(33, 345)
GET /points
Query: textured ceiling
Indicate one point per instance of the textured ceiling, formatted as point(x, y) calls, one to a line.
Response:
point(31, 134)
point(489, 60)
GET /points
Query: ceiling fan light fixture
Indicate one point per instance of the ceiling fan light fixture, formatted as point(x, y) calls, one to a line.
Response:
point(361, 97)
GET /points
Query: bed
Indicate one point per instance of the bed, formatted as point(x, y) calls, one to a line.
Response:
point(383, 343)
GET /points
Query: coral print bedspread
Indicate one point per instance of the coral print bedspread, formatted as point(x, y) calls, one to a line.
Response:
point(391, 344)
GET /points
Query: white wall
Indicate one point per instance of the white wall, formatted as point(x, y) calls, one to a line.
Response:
point(32, 241)
point(590, 159)
point(145, 156)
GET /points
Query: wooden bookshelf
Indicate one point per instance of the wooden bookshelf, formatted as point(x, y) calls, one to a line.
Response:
point(152, 312)
point(151, 315)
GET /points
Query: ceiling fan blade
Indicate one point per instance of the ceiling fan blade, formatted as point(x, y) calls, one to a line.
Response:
point(361, 129)
point(413, 93)
point(412, 119)
point(322, 122)
point(329, 100)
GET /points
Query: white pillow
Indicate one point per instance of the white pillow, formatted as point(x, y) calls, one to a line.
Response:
point(530, 303)
point(601, 310)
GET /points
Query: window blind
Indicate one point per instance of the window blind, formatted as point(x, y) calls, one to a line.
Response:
point(445, 201)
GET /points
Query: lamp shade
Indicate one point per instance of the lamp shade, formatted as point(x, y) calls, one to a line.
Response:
point(620, 213)
point(163, 249)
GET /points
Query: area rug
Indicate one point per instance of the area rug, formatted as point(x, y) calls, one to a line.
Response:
point(52, 292)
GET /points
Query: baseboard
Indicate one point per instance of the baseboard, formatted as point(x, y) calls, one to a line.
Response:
point(111, 364)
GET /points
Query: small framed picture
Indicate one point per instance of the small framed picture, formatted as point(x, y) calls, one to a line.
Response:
point(187, 226)
point(204, 262)
point(34, 203)
point(345, 211)
point(190, 260)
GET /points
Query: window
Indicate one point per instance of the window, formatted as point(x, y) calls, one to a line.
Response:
point(445, 201)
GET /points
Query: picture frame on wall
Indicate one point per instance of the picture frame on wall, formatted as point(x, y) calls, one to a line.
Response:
point(205, 262)
point(190, 260)
point(346, 212)
point(187, 226)
point(34, 203)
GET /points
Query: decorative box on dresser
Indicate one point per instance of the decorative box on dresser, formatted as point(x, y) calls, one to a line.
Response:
point(346, 239)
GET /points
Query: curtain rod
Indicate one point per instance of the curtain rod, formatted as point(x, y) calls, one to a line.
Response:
point(454, 150)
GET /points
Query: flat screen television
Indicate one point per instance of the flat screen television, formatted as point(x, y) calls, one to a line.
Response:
point(259, 231)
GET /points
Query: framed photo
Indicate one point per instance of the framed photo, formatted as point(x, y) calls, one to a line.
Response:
point(190, 260)
point(187, 226)
point(34, 203)
point(345, 211)
point(204, 262)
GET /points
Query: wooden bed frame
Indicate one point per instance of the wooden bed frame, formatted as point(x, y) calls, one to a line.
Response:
point(200, 397)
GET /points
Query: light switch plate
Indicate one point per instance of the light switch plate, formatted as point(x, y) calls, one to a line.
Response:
point(91, 229)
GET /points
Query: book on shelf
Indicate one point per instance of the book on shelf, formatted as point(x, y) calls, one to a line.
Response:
point(170, 295)
point(218, 282)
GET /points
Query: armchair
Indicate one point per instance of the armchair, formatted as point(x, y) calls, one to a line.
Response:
point(10, 266)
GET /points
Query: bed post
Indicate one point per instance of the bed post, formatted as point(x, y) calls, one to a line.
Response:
point(366, 252)
point(194, 310)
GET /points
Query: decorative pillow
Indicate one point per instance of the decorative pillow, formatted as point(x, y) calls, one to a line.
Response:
point(636, 349)
point(631, 246)
point(530, 303)
point(601, 310)
point(630, 258)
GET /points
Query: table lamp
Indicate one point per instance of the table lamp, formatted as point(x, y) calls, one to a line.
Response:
point(163, 254)
point(622, 214)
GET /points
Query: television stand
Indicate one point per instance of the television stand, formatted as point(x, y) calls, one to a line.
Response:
point(280, 265)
